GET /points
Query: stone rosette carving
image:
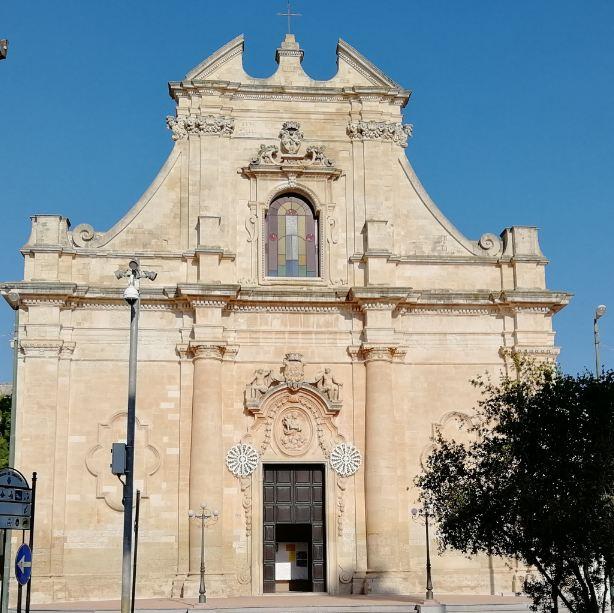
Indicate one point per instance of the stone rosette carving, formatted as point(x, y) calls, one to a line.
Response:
point(287, 152)
point(292, 375)
point(242, 460)
point(182, 127)
point(395, 132)
point(345, 459)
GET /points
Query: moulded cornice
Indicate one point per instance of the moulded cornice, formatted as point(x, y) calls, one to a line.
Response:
point(215, 60)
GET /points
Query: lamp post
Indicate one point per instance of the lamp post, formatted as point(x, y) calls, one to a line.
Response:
point(206, 517)
point(132, 297)
point(416, 513)
point(599, 313)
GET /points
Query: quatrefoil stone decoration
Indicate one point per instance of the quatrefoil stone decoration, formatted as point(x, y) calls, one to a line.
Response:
point(345, 459)
point(242, 460)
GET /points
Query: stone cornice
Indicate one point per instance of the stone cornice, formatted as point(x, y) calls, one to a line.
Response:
point(297, 299)
point(477, 259)
point(291, 93)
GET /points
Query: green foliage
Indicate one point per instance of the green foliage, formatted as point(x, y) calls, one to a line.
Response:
point(536, 483)
point(5, 429)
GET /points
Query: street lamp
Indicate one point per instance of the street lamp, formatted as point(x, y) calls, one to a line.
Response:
point(599, 313)
point(132, 297)
point(416, 514)
point(206, 517)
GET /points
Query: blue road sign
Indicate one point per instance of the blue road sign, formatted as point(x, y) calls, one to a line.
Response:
point(23, 564)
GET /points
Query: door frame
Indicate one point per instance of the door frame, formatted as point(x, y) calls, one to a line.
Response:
point(257, 535)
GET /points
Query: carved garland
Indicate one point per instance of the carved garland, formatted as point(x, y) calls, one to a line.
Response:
point(182, 127)
point(395, 132)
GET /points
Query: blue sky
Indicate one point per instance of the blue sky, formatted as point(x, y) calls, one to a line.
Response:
point(512, 111)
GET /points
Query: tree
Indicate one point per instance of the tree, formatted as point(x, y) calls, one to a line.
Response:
point(536, 483)
point(5, 429)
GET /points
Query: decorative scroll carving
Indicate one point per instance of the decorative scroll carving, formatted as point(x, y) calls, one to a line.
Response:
point(345, 576)
point(397, 133)
point(290, 136)
point(242, 460)
point(293, 376)
point(245, 576)
point(317, 156)
point(246, 490)
point(181, 127)
point(267, 154)
point(491, 243)
point(341, 485)
point(287, 152)
point(84, 234)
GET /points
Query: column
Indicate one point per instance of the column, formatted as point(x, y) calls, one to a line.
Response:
point(207, 454)
point(381, 483)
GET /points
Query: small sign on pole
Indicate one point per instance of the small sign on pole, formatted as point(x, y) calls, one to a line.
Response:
point(15, 500)
point(23, 564)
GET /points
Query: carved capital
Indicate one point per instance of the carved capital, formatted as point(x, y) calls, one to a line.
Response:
point(41, 348)
point(381, 353)
point(512, 355)
point(67, 350)
point(183, 351)
point(397, 133)
point(207, 351)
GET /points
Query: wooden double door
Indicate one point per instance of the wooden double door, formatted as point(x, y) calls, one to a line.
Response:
point(294, 536)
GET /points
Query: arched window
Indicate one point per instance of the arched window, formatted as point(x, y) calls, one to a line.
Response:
point(292, 238)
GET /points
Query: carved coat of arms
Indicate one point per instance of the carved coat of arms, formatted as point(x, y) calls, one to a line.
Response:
point(291, 137)
point(293, 370)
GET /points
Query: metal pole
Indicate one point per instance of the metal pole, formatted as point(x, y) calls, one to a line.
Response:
point(137, 512)
point(29, 587)
point(202, 592)
point(20, 587)
point(2, 563)
point(128, 487)
point(6, 572)
point(429, 582)
point(597, 343)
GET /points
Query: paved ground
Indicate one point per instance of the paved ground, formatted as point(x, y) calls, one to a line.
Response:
point(306, 603)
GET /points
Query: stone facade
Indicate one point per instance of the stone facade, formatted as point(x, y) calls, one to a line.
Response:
point(354, 367)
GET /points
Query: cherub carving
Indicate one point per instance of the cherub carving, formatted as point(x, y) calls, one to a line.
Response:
point(328, 386)
point(260, 383)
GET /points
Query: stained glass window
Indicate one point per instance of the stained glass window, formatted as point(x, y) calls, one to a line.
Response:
point(292, 238)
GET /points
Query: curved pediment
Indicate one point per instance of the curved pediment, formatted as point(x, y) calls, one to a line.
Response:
point(225, 67)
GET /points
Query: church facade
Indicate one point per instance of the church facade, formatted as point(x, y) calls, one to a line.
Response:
point(315, 320)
